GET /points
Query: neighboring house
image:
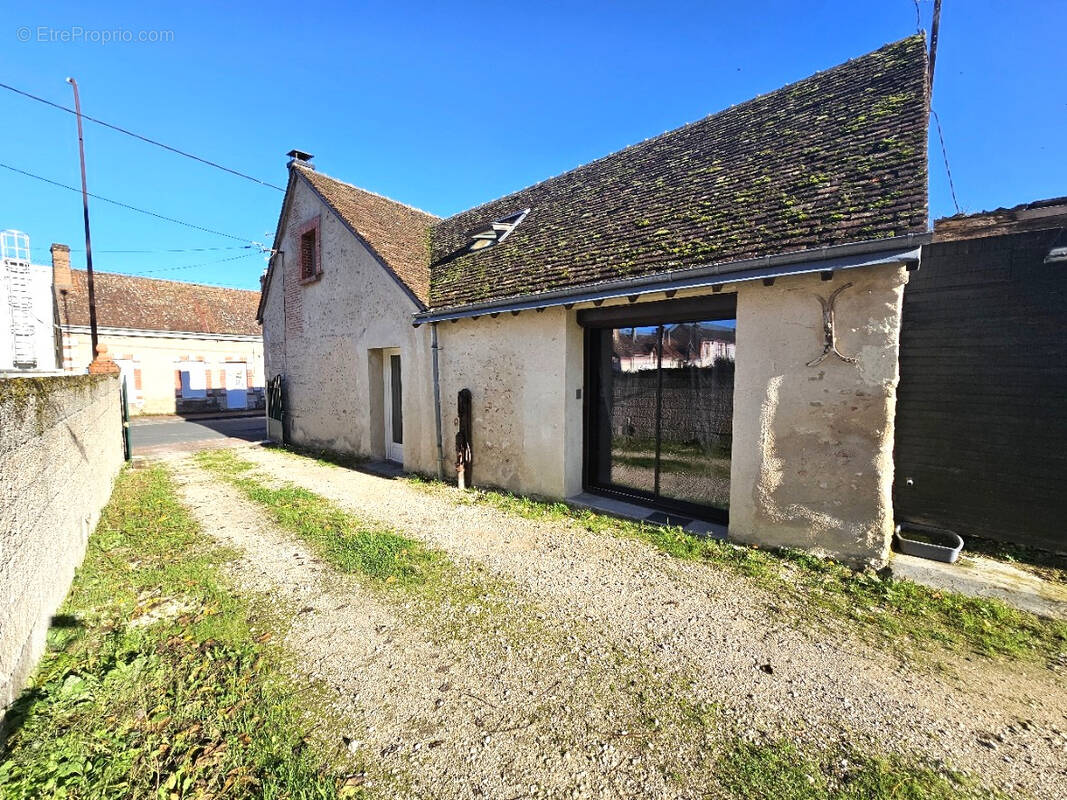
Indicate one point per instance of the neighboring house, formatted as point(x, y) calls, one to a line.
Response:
point(737, 228)
point(981, 445)
point(181, 347)
point(27, 315)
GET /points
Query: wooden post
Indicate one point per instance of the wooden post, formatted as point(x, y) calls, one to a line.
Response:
point(464, 450)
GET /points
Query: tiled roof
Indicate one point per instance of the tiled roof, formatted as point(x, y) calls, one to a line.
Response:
point(125, 301)
point(1038, 215)
point(397, 233)
point(838, 157)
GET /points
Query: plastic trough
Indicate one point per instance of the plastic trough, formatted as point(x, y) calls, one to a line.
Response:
point(936, 545)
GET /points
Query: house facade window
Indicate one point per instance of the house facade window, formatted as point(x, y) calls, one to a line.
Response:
point(310, 250)
point(194, 379)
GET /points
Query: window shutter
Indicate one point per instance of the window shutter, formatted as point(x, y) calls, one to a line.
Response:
point(307, 255)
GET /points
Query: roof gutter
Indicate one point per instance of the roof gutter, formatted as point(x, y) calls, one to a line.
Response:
point(905, 250)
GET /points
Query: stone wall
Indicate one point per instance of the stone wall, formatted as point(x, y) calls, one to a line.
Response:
point(327, 336)
point(60, 449)
point(525, 376)
point(813, 446)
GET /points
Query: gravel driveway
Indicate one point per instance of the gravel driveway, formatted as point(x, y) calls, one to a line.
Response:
point(486, 719)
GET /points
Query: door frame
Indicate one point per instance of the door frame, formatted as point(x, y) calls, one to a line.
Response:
point(230, 368)
point(394, 451)
point(594, 320)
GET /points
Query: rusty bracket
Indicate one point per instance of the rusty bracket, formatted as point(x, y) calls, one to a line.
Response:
point(830, 345)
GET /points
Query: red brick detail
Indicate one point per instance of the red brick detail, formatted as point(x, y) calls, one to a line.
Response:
point(207, 379)
point(222, 379)
point(137, 379)
point(177, 380)
point(294, 296)
point(248, 377)
point(310, 250)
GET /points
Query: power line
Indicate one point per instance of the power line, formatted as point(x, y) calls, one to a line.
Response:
point(202, 264)
point(944, 154)
point(129, 207)
point(175, 150)
point(164, 250)
point(154, 270)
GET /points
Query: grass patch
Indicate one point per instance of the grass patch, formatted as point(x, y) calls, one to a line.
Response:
point(153, 682)
point(322, 455)
point(781, 771)
point(894, 611)
point(385, 559)
point(1044, 564)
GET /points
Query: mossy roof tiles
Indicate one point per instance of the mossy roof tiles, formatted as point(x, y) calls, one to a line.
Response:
point(838, 157)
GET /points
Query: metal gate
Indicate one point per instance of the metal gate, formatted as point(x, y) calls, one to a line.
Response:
point(276, 409)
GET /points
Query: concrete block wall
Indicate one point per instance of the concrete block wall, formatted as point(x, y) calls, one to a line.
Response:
point(60, 450)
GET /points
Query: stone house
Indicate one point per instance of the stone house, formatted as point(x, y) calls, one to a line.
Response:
point(780, 231)
point(182, 348)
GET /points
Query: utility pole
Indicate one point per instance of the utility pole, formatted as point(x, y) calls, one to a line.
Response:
point(934, 27)
point(85, 209)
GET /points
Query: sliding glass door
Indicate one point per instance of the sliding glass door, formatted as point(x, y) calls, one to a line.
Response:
point(660, 416)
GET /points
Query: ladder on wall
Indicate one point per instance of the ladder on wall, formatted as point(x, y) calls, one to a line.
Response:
point(15, 254)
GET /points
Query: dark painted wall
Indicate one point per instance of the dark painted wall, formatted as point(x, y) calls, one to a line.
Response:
point(981, 423)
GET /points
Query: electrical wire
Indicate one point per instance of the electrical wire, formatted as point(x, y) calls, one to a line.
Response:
point(175, 150)
point(42, 248)
point(201, 264)
point(129, 207)
point(944, 155)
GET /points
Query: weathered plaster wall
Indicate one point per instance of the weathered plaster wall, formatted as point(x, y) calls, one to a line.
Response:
point(60, 449)
point(524, 373)
point(813, 446)
point(326, 337)
point(157, 359)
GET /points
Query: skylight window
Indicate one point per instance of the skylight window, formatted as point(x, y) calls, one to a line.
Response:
point(495, 233)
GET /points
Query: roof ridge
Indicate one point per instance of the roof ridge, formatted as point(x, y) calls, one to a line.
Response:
point(97, 272)
point(368, 191)
point(684, 126)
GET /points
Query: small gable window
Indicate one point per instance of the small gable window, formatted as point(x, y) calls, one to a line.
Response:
point(310, 264)
point(494, 233)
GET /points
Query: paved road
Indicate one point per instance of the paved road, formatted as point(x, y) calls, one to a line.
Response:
point(152, 435)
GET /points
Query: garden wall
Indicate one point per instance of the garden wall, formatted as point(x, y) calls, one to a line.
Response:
point(60, 449)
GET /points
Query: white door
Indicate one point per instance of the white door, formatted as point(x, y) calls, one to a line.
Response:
point(236, 386)
point(394, 419)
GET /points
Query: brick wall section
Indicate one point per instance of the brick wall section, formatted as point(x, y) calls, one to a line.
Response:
point(294, 297)
point(60, 449)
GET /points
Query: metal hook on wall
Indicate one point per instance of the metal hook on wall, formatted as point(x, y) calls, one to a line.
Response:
point(830, 343)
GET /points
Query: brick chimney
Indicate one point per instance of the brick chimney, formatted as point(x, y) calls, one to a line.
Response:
point(61, 277)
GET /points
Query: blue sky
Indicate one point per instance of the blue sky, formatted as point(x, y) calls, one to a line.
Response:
point(446, 105)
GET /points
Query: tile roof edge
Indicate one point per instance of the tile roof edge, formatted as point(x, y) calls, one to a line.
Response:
point(97, 273)
point(682, 127)
point(419, 303)
point(619, 287)
point(379, 195)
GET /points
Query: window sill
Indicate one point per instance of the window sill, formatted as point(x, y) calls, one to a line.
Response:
point(314, 278)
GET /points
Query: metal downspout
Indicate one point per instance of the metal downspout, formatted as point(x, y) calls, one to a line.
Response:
point(437, 402)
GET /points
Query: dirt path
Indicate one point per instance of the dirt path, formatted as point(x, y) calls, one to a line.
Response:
point(1006, 723)
point(448, 718)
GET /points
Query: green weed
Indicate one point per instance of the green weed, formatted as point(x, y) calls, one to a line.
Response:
point(154, 682)
point(897, 612)
point(781, 771)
